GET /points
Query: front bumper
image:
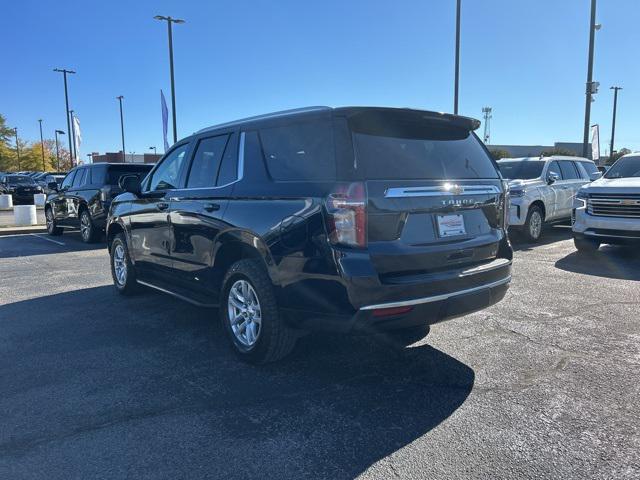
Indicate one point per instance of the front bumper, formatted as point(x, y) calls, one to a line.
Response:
point(606, 229)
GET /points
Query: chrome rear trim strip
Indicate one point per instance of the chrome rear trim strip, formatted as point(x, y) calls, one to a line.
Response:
point(436, 298)
point(446, 189)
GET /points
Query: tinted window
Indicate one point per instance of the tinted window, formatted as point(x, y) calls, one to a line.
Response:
point(568, 169)
point(554, 168)
point(19, 180)
point(590, 168)
point(229, 167)
point(625, 167)
point(167, 175)
point(116, 171)
point(520, 169)
point(78, 180)
point(303, 151)
point(206, 162)
point(66, 183)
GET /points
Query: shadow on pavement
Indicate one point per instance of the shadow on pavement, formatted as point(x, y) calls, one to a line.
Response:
point(146, 387)
point(26, 245)
point(609, 261)
point(551, 234)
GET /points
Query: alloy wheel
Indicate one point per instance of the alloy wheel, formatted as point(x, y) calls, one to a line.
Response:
point(244, 313)
point(120, 264)
point(85, 226)
point(49, 218)
point(535, 224)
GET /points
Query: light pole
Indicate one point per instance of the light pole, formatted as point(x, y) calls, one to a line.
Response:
point(44, 168)
point(592, 86)
point(58, 132)
point(90, 155)
point(17, 147)
point(613, 123)
point(457, 67)
point(154, 150)
point(120, 97)
point(73, 138)
point(66, 99)
point(169, 21)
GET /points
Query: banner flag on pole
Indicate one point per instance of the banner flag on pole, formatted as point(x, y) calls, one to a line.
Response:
point(77, 136)
point(595, 143)
point(165, 120)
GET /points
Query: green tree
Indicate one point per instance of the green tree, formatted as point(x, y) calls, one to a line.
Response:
point(619, 153)
point(559, 151)
point(6, 133)
point(497, 154)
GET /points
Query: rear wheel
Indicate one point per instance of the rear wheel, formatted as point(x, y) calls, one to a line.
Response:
point(122, 270)
point(52, 228)
point(88, 231)
point(586, 245)
point(250, 315)
point(532, 230)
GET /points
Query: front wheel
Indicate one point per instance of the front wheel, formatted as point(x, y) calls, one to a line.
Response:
point(52, 228)
point(122, 270)
point(586, 245)
point(88, 231)
point(250, 316)
point(532, 230)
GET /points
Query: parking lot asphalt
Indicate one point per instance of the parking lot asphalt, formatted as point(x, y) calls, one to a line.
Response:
point(545, 384)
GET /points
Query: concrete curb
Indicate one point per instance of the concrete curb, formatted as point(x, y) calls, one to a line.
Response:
point(19, 230)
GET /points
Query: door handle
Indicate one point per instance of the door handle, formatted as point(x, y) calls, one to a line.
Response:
point(211, 207)
point(162, 205)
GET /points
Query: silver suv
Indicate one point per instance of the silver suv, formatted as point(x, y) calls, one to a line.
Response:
point(608, 210)
point(542, 190)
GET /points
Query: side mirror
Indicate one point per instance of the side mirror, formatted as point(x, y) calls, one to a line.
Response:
point(53, 186)
point(130, 183)
point(595, 176)
point(552, 178)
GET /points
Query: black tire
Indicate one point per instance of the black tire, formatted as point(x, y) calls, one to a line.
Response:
point(274, 339)
point(586, 245)
point(533, 226)
point(52, 228)
point(127, 285)
point(88, 232)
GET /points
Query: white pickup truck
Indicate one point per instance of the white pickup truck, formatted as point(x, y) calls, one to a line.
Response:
point(608, 210)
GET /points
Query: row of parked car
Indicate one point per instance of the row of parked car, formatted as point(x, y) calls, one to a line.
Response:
point(348, 219)
point(23, 185)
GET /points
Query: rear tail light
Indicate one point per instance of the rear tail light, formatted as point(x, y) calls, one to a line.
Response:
point(392, 311)
point(105, 193)
point(505, 205)
point(347, 215)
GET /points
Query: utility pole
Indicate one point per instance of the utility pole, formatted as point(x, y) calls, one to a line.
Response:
point(613, 123)
point(17, 147)
point(592, 87)
point(73, 138)
point(120, 97)
point(170, 21)
point(57, 149)
point(457, 67)
point(44, 168)
point(66, 99)
point(487, 124)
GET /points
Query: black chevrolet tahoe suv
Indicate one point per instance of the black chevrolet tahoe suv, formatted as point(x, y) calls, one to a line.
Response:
point(83, 198)
point(349, 219)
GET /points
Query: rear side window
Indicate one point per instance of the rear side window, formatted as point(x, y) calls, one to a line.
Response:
point(396, 149)
point(229, 168)
point(569, 171)
point(302, 152)
point(206, 162)
point(590, 168)
point(78, 180)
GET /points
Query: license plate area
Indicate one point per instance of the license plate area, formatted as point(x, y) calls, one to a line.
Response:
point(450, 225)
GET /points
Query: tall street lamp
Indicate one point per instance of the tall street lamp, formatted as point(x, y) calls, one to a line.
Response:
point(44, 168)
point(17, 147)
point(457, 67)
point(90, 155)
point(170, 21)
point(613, 123)
point(592, 87)
point(154, 150)
point(66, 99)
point(73, 137)
point(120, 97)
point(58, 132)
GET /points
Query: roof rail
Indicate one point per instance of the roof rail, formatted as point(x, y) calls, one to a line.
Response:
point(266, 116)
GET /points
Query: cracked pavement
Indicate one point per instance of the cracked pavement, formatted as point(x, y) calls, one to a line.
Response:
point(545, 384)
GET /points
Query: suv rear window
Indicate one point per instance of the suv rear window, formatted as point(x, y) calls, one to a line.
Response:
point(399, 150)
point(115, 172)
point(302, 152)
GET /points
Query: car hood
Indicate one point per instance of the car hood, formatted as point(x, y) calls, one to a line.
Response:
point(524, 183)
point(614, 185)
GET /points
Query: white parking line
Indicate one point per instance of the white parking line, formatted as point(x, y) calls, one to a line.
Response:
point(47, 239)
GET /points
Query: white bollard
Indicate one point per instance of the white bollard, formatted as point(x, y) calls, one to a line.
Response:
point(39, 199)
point(6, 201)
point(25, 215)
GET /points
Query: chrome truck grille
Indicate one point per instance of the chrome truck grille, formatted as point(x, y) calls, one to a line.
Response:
point(614, 205)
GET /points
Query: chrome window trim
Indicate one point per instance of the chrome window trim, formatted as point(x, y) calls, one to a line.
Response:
point(447, 189)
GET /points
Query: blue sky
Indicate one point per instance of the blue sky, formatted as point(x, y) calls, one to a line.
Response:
point(526, 59)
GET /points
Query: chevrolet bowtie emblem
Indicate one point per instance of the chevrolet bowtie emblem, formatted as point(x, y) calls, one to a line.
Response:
point(453, 189)
point(629, 202)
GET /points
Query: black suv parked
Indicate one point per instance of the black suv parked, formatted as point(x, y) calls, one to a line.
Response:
point(20, 187)
point(84, 197)
point(343, 219)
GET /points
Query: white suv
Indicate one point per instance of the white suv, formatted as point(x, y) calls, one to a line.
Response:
point(542, 190)
point(608, 210)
